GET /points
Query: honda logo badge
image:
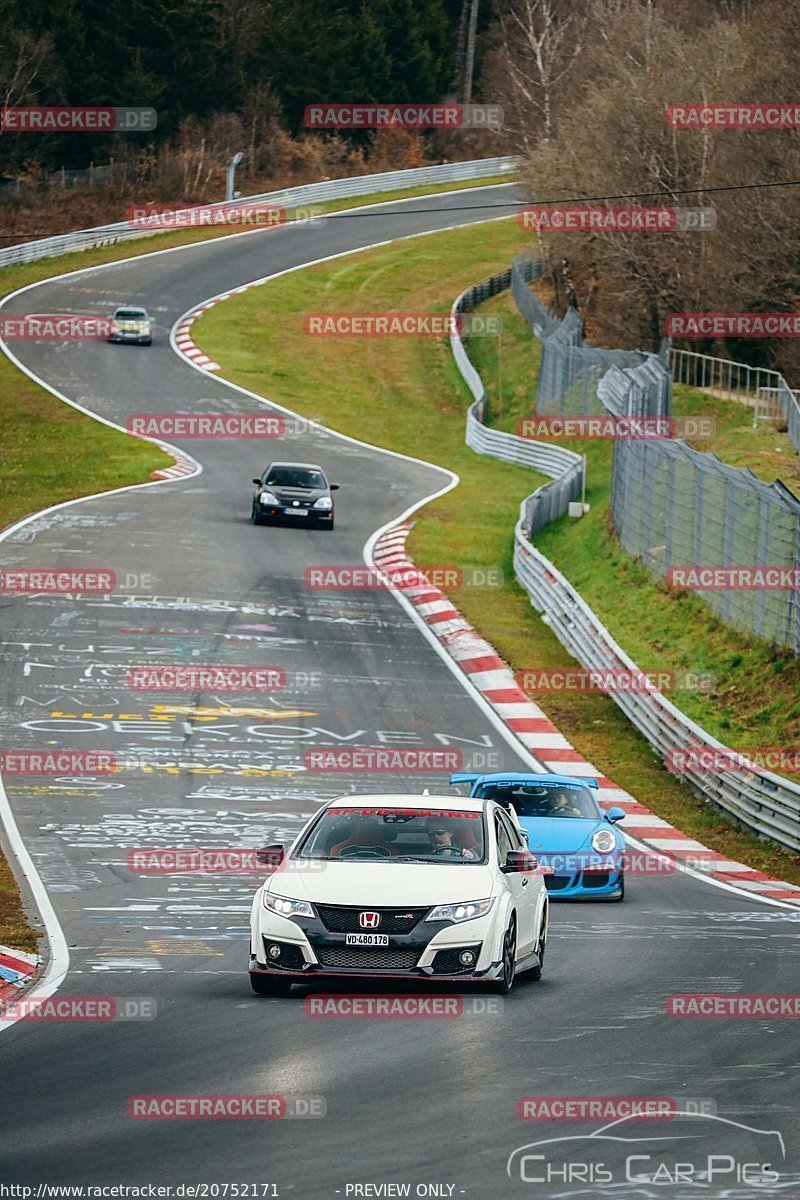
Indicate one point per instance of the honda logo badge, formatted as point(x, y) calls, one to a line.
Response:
point(369, 920)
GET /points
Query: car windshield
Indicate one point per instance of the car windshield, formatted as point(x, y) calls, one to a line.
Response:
point(544, 799)
point(396, 835)
point(130, 314)
point(299, 477)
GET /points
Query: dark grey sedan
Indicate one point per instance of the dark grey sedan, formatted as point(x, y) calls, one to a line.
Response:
point(295, 494)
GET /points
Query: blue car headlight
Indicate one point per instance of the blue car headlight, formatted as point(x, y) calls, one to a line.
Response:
point(604, 841)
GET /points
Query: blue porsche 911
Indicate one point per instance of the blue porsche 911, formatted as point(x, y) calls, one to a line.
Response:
point(567, 830)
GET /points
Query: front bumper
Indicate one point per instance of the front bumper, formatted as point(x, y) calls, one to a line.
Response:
point(294, 516)
point(583, 874)
point(139, 339)
point(430, 951)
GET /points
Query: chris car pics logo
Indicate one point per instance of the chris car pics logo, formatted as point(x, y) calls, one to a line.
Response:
point(693, 1150)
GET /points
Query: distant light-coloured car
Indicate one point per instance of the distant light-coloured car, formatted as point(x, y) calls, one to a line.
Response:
point(130, 324)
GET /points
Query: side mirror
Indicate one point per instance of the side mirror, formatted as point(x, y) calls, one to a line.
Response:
point(334, 487)
point(519, 862)
point(615, 814)
point(270, 856)
point(257, 481)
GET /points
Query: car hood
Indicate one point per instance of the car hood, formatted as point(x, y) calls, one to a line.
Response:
point(383, 884)
point(561, 835)
point(293, 493)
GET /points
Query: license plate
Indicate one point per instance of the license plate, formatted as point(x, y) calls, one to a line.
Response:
point(366, 939)
point(296, 512)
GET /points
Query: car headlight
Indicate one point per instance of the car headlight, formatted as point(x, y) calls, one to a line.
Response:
point(323, 502)
point(268, 498)
point(460, 912)
point(287, 908)
point(604, 841)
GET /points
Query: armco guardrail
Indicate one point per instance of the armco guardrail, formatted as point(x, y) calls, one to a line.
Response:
point(763, 802)
point(766, 803)
point(565, 467)
point(311, 193)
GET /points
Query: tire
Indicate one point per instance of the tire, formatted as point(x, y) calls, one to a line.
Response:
point(254, 516)
point(535, 973)
point(504, 984)
point(270, 985)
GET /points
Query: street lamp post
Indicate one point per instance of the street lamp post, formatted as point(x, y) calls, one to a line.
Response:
point(232, 165)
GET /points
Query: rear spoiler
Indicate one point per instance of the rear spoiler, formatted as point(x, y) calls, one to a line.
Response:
point(471, 776)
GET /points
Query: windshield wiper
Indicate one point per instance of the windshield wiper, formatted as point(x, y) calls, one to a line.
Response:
point(417, 859)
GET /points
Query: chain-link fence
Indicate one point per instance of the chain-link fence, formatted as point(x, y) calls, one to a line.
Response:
point(673, 506)
point(526, 269)
point(110, 174)
point(570, 370)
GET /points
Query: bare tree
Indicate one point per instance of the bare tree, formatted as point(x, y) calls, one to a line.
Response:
point(540, 44)
point(20, 69)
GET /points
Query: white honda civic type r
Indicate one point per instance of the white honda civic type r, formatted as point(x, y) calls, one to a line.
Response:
point(412, 887)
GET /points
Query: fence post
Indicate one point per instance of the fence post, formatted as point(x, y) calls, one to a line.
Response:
point(730, 505)
point(697, 549)
point(763, 554)
point(669, 515)
point(793, 614)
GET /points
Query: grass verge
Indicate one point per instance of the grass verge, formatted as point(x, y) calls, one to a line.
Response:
point(15, 931)
point(413, 400)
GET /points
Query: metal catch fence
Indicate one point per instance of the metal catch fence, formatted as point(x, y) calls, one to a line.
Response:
point(570, 370)
point(675, 507)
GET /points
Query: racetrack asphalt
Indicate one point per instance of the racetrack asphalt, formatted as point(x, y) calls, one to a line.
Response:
point(420, 1101)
